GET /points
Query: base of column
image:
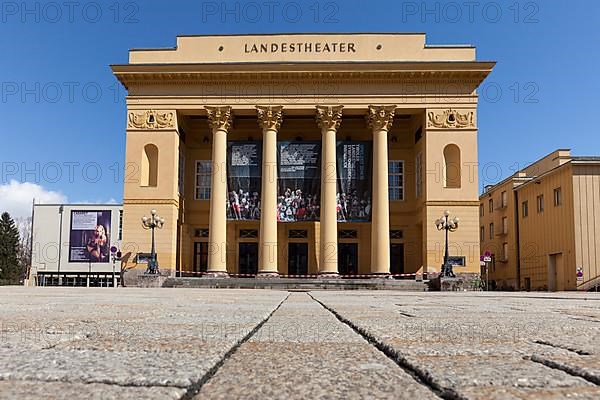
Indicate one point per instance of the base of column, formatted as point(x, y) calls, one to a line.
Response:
point(216, 274)
point(380, 275)
point(328, 275)
point(268, 274)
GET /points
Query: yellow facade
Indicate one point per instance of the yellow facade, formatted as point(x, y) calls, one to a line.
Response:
point(552, 225)
point(413, 102)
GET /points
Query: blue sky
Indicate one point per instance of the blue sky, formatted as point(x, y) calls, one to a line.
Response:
point(63, 113)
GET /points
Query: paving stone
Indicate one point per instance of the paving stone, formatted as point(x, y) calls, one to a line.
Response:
point(11, 390)
point(298, 363)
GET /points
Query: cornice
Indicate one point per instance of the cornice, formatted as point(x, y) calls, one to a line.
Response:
point(212, 78)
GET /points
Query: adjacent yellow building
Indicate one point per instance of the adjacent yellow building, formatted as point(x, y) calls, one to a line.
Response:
point(542, 225)
point(302, 154)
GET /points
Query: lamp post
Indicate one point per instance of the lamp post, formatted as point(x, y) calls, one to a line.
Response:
point(152, 223)
point(448, 225)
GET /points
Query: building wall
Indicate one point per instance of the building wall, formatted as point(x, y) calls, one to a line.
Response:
point(503, 272)
point(548, 233)
point(586, 204)
point(51, 237)
point(356, 84)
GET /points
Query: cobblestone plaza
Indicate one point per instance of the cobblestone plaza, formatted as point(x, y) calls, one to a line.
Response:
point(255, 344)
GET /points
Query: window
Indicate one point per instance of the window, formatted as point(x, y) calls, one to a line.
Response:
point(396, 180)
point(120, 225)
point(505, 225)
point(203, 174)
point(248, 233)
point(149, 170)
point(504, 251)
point(525, 208)
point(504, 199)
point(557, 197)
point(297, 234)
point(540, 203)
point(348, 234)
point(481, 210)
point(419, 174)
point(482, 234)
point(396, 234)
point(491, 231)
point(201, 233)
point(491, 206)
point(181, 179)
point(452, 167)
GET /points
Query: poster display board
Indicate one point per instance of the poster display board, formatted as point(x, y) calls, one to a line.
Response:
point(244, 169)
point(299, 181)
point(89, 238)
point(354, 182)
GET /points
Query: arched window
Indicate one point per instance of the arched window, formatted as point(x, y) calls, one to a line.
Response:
point(452, 166)
point(149, 166)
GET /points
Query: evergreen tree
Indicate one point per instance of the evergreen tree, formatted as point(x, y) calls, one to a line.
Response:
point(9, 250)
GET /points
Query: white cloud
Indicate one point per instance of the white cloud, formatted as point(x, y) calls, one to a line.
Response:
point(16, 198)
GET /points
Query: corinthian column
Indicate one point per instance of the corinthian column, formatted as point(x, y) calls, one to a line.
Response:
point(270, 119)
point(329, 119)
point(380, 120)
point(219, 119)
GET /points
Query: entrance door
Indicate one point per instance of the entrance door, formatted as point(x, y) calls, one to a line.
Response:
point(200, 256)
point(298, 259)
point(348, 258)
point(397, 258)
point(248, 264)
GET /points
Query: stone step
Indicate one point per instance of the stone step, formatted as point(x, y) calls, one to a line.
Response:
point(297, 284)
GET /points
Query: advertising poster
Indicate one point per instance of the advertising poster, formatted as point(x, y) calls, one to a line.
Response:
point(299, 189)
point(354, 181)
point(89, 239)
point(244, 170)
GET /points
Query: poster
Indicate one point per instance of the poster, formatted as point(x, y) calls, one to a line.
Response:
point(354, 190)
point(299, 168)
point(244, 170)
point(89, 239)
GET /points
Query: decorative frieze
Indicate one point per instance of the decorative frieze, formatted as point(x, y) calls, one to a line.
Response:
point(329, 118)
point(270, 117)
point(151, 120)
point(380, 118)
point(219, 118)
point(450, 119)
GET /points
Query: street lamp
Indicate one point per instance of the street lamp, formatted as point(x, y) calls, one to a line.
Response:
point(152, 223)
point(448, 225)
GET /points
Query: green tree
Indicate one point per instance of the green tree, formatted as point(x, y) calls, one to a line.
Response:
point(9, 250)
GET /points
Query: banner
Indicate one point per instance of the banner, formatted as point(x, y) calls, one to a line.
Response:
point(354, 166)
point(244, 170)
point(89, 239)
point(299, 169)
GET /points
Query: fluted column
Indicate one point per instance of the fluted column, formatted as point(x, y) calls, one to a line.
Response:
point(380, 120)
point(270, 119)
point(219, 119)
point(329, 120)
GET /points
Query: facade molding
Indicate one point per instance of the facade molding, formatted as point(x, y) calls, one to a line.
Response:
point(450, 119)
point(151, 120)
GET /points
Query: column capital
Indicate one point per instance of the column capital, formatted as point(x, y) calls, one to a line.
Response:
point(219, 118)
point(270, 117)
point(329, 117)
point(380, 118)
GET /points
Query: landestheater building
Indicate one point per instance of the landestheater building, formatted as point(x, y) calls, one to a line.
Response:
point(302, 154)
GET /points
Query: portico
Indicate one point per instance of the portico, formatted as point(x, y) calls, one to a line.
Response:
point(268, 163)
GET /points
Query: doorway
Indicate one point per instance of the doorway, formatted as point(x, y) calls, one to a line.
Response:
point(397, 258)
point(348, 258)
point(200, 256)
point(248, 261)
point(298, 259)
point(556, 281)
